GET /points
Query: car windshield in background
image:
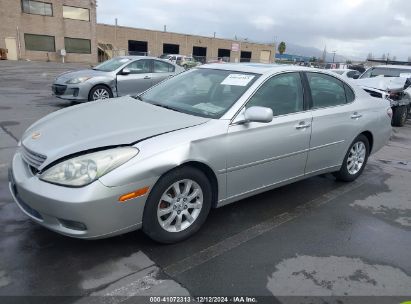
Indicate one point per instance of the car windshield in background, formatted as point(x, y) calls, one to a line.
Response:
point(201, 92)
point(340, 72)
point(111, 65)
point(385, 72)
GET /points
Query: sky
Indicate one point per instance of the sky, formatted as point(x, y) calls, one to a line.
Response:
point(353, 28)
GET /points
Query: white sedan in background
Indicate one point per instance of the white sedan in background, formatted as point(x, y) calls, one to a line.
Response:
point(347, 73)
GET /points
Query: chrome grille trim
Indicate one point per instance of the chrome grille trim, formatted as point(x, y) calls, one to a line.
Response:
point(32, 158)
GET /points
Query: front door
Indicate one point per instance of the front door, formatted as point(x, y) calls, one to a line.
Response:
point(139, 79)
point(11, 47)
point(264, 154)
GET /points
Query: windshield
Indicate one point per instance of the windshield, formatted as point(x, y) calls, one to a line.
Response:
point(385, 72)
point(201, 92)
point(111, 65)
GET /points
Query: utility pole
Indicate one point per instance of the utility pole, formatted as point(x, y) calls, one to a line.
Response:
point(115, 36)
point(334, 52)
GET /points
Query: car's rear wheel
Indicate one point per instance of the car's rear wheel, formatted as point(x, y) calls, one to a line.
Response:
point(99, 92)
point(178, 205)
point(355, 160)
point(399, 116)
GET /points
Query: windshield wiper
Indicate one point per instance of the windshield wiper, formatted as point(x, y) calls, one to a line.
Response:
point(138, 97)
point(165, 107)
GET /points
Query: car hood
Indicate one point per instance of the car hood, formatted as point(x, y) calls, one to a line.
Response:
point(383, 83)
point(120, 121)
point(82, 73)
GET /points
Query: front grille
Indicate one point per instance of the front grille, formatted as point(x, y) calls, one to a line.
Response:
point(59, 89)
point(33, 159)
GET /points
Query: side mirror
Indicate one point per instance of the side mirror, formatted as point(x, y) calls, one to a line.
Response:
point(125, 71)
point(257, 114)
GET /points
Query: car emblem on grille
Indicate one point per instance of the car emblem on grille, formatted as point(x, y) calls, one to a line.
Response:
point(35, 135)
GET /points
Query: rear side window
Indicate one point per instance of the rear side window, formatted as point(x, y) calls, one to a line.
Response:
point(163, 67)
point(349, 93)
point(282, 93)
point(326, 91)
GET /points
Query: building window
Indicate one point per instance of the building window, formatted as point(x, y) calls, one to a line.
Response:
point(37, 7)
point(39, 43)
point(77, 45)
point(77, 13)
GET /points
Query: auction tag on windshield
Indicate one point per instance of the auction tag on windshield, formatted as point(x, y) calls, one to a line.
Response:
point(208, 107)
point(238, 80)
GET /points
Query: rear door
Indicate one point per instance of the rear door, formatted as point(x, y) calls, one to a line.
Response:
point(336, 121)
point(161, 71)
point(139, 79)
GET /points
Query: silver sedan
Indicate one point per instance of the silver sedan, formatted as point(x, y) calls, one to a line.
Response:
point(200, 140)
point(120, 76)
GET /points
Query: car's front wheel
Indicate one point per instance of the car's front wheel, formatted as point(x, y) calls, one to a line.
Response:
point(355, 160)
point(178, 205)
point(99, 92)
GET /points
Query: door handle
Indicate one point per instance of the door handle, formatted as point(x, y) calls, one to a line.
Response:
point(147, 77)
point(302, 125)
point(356, 115)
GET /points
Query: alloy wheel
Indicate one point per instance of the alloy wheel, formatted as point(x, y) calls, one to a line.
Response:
point(356, 158)
point(101, 94)
point(180, 205)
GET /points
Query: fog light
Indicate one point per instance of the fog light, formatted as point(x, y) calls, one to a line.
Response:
point(73, 225)
point(75, 92)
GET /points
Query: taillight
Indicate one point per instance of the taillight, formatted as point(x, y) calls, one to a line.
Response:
point(389, 112)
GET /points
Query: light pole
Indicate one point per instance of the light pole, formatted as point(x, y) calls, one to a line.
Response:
point(334, 52)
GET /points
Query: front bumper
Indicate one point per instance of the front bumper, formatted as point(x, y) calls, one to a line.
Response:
point(73, 92)
point(89, 212)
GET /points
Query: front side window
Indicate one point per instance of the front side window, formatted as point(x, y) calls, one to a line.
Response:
point(141, 66)
point(112, 64)
point(201, 92)
point(39, 43)
point(37, 8)
point(326, 91)
point(163, 67)
point(76, 45)
point(77, 13)
point(283, 94)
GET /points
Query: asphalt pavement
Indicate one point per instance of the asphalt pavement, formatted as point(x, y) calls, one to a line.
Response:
point(317, 240)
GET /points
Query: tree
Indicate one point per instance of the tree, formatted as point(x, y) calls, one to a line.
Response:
point(314, 59)
point(409, 59)
point(324, 56)
point(394, 58)
point(370, 56)
point(348, 61)
point(383, 57)
point(282, 47)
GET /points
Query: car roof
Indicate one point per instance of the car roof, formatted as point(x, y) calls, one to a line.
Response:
point(342, 70)
point(136, 57)
point(257, 68)
point(391, 66)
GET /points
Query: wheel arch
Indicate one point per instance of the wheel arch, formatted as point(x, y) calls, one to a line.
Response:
point(370, 138)
point(100, 84)
point(210, 175)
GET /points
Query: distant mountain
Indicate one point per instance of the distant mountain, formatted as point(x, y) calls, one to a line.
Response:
point(307, 51)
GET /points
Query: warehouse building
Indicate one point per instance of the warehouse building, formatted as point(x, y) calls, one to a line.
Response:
point(39, 30)
point(57, 30)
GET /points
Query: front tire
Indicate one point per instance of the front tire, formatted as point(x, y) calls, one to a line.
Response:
point(399, 116)
point(355, 160)
point(100, 92)
point(178, 205)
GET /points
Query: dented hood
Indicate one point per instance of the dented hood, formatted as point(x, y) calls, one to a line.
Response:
point(120, 121)
point(383, 83)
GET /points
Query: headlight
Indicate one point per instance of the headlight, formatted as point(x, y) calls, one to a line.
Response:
point(77, 80)
point(85, 169)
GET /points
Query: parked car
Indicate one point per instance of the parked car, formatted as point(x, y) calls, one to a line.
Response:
point(188, 62)
point(391, 82)
point(205, 138)
point(174, 58)
point(347, 73)
point(120, 76)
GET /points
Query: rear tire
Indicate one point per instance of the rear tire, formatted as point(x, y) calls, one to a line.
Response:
point(100, 92)
point(399, 116)
point(355, 160)
point(171, 217)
